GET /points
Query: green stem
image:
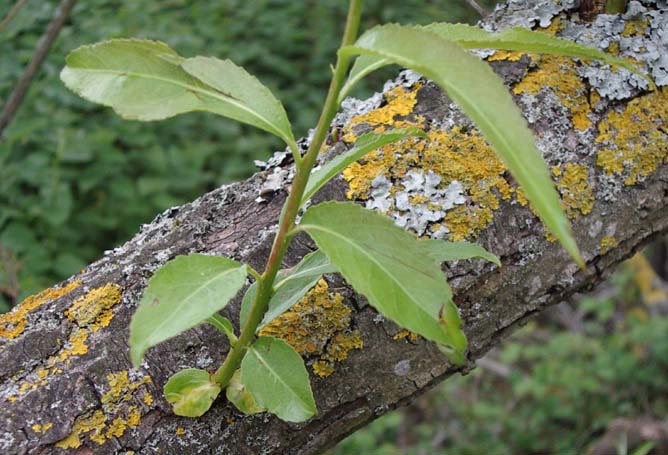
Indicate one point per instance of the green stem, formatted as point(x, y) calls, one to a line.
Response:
point(304, 165)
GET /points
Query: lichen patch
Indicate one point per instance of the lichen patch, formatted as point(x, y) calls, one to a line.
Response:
point(634, 138)
point(119, 412)
point(318, 327)
point(13, 324)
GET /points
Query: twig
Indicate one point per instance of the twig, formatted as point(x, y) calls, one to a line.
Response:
point(42, 49)
point(476, 6)
point(12, 12)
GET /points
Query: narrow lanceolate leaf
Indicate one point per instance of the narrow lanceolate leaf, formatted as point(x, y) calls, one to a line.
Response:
point(442, 251)
point(480, 93)
point(180, 295)
point(191, 392)
point(275, 375)
point(290, 287)
point(366, 143)
point(511, 39)
point(389, 267)
point(525, 40)
point(147, 80)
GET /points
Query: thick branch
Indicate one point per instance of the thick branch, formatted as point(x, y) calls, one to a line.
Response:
point(66, 378)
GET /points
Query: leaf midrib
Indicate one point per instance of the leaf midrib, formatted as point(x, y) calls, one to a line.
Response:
point(371, 258)
point(173, 314)
point(214, 94)
point(261, 359)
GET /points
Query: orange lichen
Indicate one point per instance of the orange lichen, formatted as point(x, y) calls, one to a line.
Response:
point(635, 137)
point(117, 415)
point(13, 324)
point(318, 326)
point(560, 75)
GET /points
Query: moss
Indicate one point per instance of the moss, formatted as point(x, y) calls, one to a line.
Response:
point(608, 243)
point(318, 326)
point(13, 324)
point(635, 138)
point(118, 413)
point(560, 75)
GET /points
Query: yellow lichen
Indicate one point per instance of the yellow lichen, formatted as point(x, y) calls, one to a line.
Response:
point(635, 137)
point(577, 196)
point(116, 416)
point(508, 56)
point(608, 243)
point(400, 103)
point(318, 326)
point(13, 324)
point(403, 333)
point(39, 428)
point(91, 312)
point(94, 308)
point(560, 75)
point(180, 431)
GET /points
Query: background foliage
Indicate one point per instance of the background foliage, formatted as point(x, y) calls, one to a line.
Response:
point(75, 179)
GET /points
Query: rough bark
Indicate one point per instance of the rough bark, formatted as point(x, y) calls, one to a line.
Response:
point(67, 384)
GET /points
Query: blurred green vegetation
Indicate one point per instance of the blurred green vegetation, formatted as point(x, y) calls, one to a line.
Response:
point(552, 388)
point(75, 179)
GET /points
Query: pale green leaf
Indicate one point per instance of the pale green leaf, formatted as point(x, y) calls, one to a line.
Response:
point(180, 295)
point(525, 40)
point(191, 392)
point(511, 39)
point(240, 397)
point(389, 267)
point(223, 325)
point(480, 93)
point(365, 144)
point(443, 251)
point(253, 102)
point(275, 375)
point(290, 286)
point(147, 80)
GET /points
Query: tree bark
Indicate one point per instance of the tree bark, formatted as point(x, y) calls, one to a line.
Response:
point(67, 383)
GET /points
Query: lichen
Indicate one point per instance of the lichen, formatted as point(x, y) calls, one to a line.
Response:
point(577, 197)
point(41, 428)
point(403, 334)
point(118, 413)
point(634, 138)
point(608, 243)
point(318, 327)
point(560, 75)
point(91, 312)
point(13, 324)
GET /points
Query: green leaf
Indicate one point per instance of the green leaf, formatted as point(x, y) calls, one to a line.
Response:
point(240, 397)
point(525, 40)
point(276, 377)
point(291, 285)
point(442, 251)
point(365, 144)
point(254, 103)
point(389, 267)
point(480, 93)
point(180, 295)
point(147, 80)
point(223, 325)
point(191, 392)
point(511, 39)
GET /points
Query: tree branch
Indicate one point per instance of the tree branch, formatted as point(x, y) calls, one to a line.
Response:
point(41, 51)
point(65, 377)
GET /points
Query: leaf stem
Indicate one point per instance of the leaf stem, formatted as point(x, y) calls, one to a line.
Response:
point(304, 165)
